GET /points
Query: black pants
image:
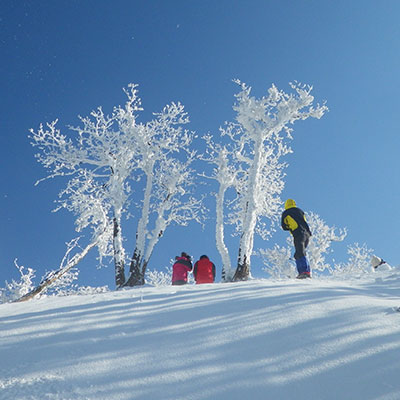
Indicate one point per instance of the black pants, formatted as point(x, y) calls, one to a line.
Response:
point(178, 283)
point(300, 240)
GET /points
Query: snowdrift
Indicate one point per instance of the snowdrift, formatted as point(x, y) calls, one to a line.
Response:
point(262, 339)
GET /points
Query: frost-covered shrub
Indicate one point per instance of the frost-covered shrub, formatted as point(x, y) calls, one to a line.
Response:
point(277, 262)
point(358, 263)
point(159, 278)
point(15, 289)
point(320, 241)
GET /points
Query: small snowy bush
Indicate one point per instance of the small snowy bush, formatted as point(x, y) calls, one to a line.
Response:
point(358, 263)
point(321, 240)
point(16, 289)
point(277, 262)
point(159, 278)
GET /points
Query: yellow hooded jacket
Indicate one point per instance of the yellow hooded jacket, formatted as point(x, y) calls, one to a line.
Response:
point(293, 219)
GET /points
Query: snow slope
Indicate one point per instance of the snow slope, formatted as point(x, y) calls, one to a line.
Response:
point(319, 339)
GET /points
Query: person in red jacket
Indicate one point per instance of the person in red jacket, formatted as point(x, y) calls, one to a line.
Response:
point(180, 269)
point(204, 270)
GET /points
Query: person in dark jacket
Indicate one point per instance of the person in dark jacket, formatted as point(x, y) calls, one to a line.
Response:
point(204, 270)
point(180, 269)
point(294, 220)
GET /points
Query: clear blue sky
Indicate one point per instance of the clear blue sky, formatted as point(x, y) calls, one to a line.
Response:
point(60, 59)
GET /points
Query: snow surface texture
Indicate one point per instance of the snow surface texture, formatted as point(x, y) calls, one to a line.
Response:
point(264, 339)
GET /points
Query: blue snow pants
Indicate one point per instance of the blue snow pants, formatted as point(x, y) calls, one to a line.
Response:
point(301, 240)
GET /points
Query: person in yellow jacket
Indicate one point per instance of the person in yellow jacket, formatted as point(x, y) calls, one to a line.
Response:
point(294, 220)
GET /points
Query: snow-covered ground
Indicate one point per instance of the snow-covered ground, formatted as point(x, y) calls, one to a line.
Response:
point(262, 339)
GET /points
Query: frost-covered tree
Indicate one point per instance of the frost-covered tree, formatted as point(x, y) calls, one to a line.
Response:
point(169, 201)
point(104, 159)
point(154, 142)
point(226, 172)
point(99, 159)
point(260, 135)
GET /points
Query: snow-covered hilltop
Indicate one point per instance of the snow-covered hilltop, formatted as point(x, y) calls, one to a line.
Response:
point(268, 339)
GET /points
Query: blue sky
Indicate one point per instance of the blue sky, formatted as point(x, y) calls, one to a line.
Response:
point(60, 59)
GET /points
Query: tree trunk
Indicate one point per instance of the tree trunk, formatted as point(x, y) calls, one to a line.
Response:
point(143, 272)
point(219, 235)
point(250, 215)
point(136, 277)
point(118, 255)
point(242, 272)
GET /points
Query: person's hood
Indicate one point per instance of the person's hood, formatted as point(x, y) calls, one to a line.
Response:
point(289, 203)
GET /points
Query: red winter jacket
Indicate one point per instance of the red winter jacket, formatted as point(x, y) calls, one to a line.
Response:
point(180, 269)
point(204, 271)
